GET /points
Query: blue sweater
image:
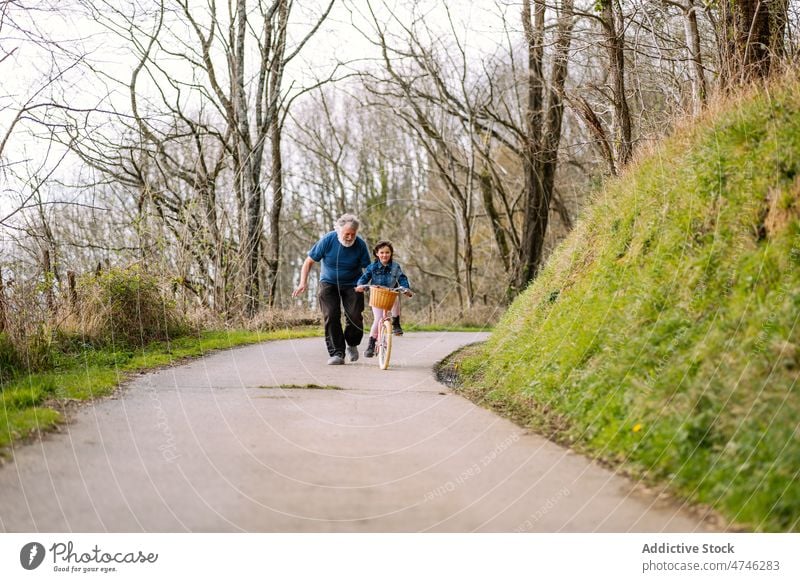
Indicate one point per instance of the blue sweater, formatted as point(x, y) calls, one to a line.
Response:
point(341, 265)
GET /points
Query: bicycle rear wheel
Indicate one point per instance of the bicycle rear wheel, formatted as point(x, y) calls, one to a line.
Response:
point(384, 344)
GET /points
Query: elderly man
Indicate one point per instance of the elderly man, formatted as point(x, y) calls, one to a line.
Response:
point(344, 255)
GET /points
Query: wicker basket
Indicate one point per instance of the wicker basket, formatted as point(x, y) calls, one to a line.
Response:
point(382, 298)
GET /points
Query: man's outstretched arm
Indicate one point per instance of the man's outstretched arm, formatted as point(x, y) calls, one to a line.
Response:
point(304, 270)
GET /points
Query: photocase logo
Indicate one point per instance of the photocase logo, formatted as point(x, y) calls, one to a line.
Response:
point(32, 555)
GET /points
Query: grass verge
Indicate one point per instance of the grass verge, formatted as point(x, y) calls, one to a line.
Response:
point(662, 337)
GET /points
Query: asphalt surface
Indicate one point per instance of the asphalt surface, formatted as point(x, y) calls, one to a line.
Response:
point(216, 445)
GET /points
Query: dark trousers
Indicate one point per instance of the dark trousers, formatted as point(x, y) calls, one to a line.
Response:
point(332, 299)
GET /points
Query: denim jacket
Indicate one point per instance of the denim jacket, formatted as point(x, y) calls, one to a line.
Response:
point(390, 275)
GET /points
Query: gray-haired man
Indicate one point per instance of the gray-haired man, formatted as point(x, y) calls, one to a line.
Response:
point(344, 255)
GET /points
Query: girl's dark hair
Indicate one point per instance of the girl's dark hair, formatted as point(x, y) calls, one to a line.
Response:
point(380, 244)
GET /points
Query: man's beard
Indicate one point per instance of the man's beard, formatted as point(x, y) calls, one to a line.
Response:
point(344, 242)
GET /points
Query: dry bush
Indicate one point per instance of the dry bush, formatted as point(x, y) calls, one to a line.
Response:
point(9, 359)
point(783, 207)
point(264, 320)
point(203, 318)
point(479, 316)
point(126, 306)
point(270, 319)
point(27, 332)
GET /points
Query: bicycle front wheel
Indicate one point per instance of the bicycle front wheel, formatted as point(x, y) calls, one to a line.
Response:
point(385, 344)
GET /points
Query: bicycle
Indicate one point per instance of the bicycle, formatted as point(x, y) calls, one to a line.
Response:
point(384, 298)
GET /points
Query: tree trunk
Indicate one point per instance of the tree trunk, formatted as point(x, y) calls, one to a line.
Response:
point(73, 290)
point(49, 281)
point(751, 31)
point(248, 168)
point(779, 20)
point(218, 251)
point(535, 220)
point(273, 263)
point(699, 90)
point(543, 134)
point(487, 194)
point(468, 255)
point(614, 26)
point(554, 113)
point(275, 129)
point(457, 262)
point(252, 249)
point(2, 303)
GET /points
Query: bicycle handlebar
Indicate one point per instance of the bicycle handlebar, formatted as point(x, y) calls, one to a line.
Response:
point(396, 289)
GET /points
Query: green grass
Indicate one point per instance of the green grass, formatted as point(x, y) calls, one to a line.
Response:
point(663, 335)
point(28, 401)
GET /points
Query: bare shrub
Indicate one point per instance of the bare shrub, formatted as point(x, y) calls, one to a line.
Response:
point(480, 316)
point(127, 306)
point(263, 320)
point(9, 357)
point(270, 319)
point(27, 335)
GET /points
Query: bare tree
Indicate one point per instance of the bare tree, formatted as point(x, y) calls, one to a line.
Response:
point(467, 146)
point(614, 27)
point(424, 101)
point(544, 114)
point(210, 80)
point(436, 79)
point(26, 99)
point(699, 85)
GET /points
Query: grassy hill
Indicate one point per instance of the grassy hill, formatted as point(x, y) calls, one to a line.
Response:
point(663, 335)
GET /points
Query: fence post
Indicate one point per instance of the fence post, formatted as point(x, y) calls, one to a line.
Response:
point(49, 281)
point(73, 291)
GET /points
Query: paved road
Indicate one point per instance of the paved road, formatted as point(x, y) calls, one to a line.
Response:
point(215, 446)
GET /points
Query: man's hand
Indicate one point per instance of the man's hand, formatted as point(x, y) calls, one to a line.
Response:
point(303, 277)
point(360, 289)
point(408, 293)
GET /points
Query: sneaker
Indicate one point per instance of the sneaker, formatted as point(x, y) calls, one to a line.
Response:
point(335, 360)
point(352, 351)
point(370, 351)
point(396, 329)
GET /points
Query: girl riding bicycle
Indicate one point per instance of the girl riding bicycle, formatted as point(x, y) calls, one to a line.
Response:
point(386, 273)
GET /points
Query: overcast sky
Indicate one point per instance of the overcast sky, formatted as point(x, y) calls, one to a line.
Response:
point(338, 40)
